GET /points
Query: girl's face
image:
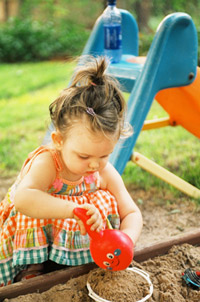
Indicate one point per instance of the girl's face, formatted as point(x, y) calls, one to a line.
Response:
point(84, 152)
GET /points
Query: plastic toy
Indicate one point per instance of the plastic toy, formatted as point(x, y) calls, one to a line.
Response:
point(192, 278)
point(183, 105)
point(110, 249)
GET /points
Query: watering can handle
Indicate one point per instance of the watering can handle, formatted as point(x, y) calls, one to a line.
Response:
point(81, 213)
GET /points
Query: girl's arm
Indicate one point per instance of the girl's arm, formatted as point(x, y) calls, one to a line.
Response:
point(130, 215)
point(31, 198)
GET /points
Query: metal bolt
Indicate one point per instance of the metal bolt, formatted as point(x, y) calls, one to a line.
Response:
point(191, 76)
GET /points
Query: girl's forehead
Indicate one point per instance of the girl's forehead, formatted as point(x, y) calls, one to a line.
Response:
point(83, 130)
point(82, 139)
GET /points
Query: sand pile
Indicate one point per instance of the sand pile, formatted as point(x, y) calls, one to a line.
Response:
point(165, 273)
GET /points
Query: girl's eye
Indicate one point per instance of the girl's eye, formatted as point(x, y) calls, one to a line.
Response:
point(83, 157)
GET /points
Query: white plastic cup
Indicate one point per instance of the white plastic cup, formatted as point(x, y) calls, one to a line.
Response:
point(136, 270)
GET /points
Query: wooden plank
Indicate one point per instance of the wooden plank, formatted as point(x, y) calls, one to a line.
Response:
point(167, 176)
point(44, 282)
point(156, 123)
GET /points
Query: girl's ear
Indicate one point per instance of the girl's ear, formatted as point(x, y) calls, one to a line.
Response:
point(57, 139)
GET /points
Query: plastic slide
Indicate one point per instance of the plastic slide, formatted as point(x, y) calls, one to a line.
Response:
point(183, 105)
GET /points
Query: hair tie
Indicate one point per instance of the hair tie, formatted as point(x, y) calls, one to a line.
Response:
point(93, 84)
point(90, 111)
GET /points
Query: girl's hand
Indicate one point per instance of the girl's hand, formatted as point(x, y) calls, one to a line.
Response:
point(94, 219)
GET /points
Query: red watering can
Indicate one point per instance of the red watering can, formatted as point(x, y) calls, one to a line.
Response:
point(110, 249)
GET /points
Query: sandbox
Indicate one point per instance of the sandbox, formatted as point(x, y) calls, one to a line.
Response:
point(164, 261)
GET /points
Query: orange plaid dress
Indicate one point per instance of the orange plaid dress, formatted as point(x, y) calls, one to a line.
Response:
point(25, 240)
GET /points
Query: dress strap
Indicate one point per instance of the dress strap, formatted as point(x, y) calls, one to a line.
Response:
point(41, 150)
point(56, 159)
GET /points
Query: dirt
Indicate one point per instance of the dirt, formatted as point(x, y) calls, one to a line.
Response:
point(164, 217)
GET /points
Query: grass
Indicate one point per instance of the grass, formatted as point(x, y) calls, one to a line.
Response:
point(24, 101)
point(19, 79)
point(28, 89)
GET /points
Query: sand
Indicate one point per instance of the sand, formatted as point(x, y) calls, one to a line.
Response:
point(165, 273)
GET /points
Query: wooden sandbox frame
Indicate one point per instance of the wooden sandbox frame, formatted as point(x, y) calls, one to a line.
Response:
point(42, 283)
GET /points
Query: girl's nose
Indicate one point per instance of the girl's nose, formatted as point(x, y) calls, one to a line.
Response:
point(94, 165)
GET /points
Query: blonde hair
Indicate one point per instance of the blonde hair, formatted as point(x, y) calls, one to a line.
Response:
point(93, 95)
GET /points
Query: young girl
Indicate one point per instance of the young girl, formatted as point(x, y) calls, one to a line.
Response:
point(37, 220)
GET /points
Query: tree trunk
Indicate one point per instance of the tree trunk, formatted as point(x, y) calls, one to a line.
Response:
point(143, 10)
point(6, 10)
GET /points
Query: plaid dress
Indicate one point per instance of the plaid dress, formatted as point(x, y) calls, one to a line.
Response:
point(25, 240)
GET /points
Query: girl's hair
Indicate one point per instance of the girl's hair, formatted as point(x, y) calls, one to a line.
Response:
point(93, 95)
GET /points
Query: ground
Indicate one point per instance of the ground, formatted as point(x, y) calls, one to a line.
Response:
point(164, 215)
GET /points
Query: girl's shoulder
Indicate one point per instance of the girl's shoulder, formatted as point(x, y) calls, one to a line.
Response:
point(110, 176)
point(43, 154)
point(39, 169)
point(40, 162)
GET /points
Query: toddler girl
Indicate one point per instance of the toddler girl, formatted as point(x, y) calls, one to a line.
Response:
point(37, 220)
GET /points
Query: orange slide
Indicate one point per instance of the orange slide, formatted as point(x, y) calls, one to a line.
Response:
point(183, 105)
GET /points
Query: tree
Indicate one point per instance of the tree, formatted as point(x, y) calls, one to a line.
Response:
point(143, 13)
point(6, 9)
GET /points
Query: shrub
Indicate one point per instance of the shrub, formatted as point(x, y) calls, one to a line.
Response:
point(26, 40)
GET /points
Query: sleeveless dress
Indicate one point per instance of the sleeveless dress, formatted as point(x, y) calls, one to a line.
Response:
point(25, 240)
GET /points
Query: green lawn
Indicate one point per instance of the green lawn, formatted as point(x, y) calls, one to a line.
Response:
point(26, 92)
point(28, 89)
